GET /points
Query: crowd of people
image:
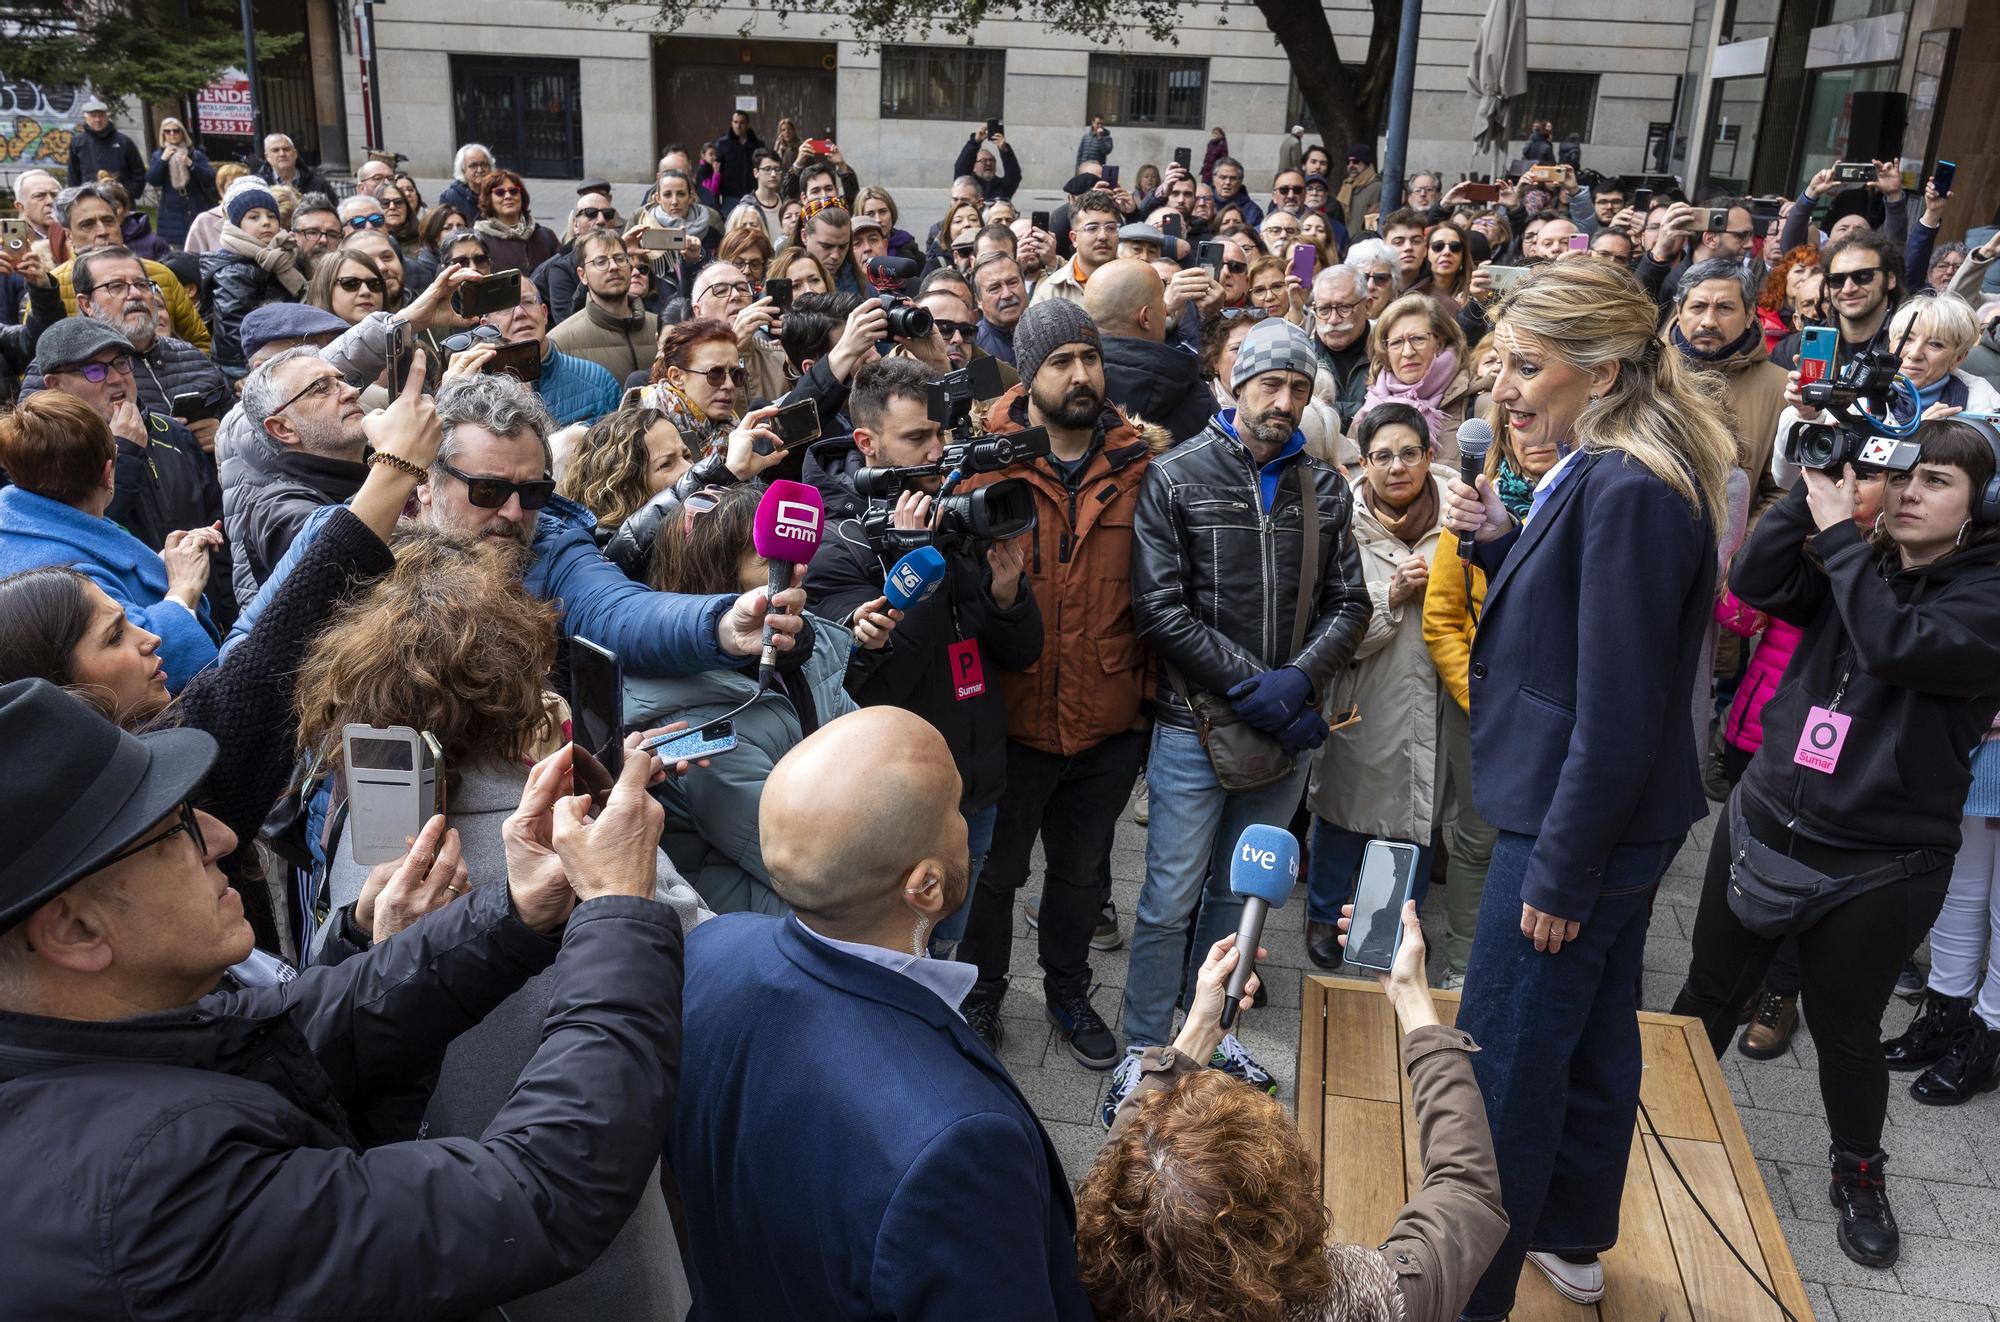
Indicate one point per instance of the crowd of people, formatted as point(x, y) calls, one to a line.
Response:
point(1203, 472)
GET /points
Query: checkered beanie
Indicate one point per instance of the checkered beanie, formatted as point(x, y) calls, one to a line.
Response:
point(1046, 327)
point(1273, 345)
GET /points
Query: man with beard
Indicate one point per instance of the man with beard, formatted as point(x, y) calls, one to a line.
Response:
point(1143, 375)
point(92, 218)
point(557, 278)
point(1216, 586)
point(316, 225)
point(1003, 297)
point(1094, 224)
point(492, 479)
point(1715, 327)
point(1075, 737)
point(611, 328)
point(924, 1186)
point(1340, 336)
point(112, 288)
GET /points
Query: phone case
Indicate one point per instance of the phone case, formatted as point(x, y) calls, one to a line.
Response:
point(686, 745)
point(1405, 862)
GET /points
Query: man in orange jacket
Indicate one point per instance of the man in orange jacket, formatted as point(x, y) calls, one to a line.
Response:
point(1076, 735)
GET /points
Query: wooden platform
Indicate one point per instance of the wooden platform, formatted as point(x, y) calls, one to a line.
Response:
point(1669, 1266)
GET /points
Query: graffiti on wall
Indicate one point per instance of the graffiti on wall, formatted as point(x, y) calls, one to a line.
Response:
point(36, 124)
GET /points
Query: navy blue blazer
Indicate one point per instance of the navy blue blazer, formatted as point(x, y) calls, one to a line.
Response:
point(1583, 675)
point(848, 1148)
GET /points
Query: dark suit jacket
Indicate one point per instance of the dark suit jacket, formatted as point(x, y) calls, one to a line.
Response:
point(848, 1148)
point(1583, 673)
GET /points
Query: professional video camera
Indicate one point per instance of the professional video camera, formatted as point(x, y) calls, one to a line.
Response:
point(995, 513)
point(1866, 437)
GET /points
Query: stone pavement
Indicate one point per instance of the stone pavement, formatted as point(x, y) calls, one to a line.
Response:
point(1944, 1163)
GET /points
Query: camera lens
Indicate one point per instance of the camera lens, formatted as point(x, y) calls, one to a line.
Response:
point(1820, 447)
point(909, 323)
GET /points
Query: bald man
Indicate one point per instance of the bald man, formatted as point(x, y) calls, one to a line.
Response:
point(846, 1146)
point(1147, 378)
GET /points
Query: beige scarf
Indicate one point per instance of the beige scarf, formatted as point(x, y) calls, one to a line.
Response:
point(523, 229)
point(278, 258)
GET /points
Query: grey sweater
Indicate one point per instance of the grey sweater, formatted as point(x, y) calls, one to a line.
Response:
point(640, 1276)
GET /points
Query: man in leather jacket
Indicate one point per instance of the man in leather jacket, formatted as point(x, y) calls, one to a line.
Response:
point(1219, 558)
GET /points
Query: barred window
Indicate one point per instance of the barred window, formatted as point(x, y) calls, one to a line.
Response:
point(1152, 91)
point(943, 82)
point(1566, 100)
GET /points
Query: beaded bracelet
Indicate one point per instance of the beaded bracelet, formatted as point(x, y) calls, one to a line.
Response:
point(397, 461)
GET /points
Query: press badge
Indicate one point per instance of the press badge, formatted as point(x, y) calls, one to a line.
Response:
point(968, 675)
point(1822, 739)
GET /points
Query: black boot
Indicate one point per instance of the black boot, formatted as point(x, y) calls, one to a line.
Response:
point(1867, 1228)
point(1323, 945)
point(1930, 1034)
point(1971, 1067)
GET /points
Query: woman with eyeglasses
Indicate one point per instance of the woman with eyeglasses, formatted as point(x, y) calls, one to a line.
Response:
point(711, 832)
point(1447, 271)
point(1272, 290)
point(513, 238)
point(258, 263)
point(1417, 353)
point(72, 626)
point(1377, 779)
point(185, 179)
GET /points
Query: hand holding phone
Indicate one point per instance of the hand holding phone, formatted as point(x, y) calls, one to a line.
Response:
point(1817, 346)
point(779, 290)
point(489, 293)
point(597, 717)
point(1374, 923)
point(1184, 157)
point(1211, 255)
point(794, 425)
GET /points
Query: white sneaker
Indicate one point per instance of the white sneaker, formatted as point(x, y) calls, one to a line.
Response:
point(1579, 1282)
point(1122, 1080)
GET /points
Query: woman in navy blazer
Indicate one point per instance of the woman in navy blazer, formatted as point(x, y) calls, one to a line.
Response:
point(1582, 756)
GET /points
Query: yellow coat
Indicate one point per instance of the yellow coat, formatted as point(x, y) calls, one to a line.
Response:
point(187, 321)
point(1448, 618)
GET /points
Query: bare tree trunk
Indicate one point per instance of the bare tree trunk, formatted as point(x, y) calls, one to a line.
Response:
point(1330, 88)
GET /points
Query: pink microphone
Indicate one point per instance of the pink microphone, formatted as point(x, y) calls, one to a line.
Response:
point(790, 518)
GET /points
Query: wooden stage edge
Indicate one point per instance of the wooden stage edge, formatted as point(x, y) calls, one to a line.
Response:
point(1669, 1265)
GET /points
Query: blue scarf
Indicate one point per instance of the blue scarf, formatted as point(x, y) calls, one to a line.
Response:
point(1268, 474)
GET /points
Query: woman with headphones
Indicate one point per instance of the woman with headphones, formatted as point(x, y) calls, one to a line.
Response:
point(1844, 827)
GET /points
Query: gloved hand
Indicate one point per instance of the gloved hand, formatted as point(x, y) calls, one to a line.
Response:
point(1269, 701)
point(1307, 731)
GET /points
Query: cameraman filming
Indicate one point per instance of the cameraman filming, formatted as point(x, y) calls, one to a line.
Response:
point(1856, 792)
point(942, 662)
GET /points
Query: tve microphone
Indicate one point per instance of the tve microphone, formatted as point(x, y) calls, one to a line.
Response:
point(1263, 871)
point(790, 519)
point(1475, 438)
point(914, 578)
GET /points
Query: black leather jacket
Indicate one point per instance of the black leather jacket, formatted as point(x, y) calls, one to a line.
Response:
point(1215, 578)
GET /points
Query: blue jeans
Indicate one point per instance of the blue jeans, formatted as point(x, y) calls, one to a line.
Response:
point(1336, 864)
point(1559, 1059)
point(978, 839)
point(1195, 825)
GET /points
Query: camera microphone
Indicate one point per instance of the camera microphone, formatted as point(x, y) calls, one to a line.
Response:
point(1475, 438)
point(1263, 869)
point(790, 519)
point(914, 578)
point(892, 268)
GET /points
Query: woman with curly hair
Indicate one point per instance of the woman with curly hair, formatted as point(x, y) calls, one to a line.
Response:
point(1780, 295)
point(622, 462)
point(1204, 1204)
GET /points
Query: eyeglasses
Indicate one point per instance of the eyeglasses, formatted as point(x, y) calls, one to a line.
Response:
point(955, 330)
point(1407, 457)
point(1862, 278)
point(316, 232)
point(466, 339)
point(1380, 278)
point(597, 213)
point(506, 190)
point(715, 376)
point(373, 221)
point(1335, 311)
point(121, 288)
point(728, 288)
point(490, 493)
point(187, 821)
point(613, 261)
point(1447, 245)
point(1236, 268)
point(477, 261)
point(96, 372)
point(354, 284)
point(1267, 291)
point(1413, 343)
point(319, 385)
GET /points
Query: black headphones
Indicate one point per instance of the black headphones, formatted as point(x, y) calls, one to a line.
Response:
point(1986, 503)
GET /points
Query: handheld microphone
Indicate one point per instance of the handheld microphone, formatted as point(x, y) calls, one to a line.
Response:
point(790, 518)
point(1263, 869)
point(914, 578)
point(1475, 438)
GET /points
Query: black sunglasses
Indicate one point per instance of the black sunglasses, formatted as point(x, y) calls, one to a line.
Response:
point(490, 493)
point(354, 284)
point(1863, 278)
point(187, 822)
point(465, 339)
point(715, 376)
point(598, 213)
point(964, 330)
point(1236, 268)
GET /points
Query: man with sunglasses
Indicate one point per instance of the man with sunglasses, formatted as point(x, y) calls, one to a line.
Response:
point(362, 212)
point(258, 1141)
point(611, 329)
point(491, 479)
point(1863, 287)
point(574, 389)
point(561, 288)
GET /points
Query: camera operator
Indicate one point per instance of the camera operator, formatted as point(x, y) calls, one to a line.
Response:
point(1858, 786)
point(943, 661)
point(1076, 738)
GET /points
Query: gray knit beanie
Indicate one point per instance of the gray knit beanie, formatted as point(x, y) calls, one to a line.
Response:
point(1046, 327)
point(1273, 345)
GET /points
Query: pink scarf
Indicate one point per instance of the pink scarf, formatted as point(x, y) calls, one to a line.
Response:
point(1425, 396)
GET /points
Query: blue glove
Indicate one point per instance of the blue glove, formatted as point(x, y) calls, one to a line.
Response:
point(1271, 700)
point(1307, 731)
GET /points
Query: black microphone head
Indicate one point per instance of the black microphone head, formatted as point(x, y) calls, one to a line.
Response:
point(1475, 438)
point(892, 268)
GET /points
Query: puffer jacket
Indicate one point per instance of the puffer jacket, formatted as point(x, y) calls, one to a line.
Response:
point(168, 368)
point(231, 287)
point(270, 494)
point(1744, 727)
point(711, 832)
point(1215, 573)
point(1155, 382)
point(1090, 680)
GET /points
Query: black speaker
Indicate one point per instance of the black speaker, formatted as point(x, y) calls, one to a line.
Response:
point(1875, 122)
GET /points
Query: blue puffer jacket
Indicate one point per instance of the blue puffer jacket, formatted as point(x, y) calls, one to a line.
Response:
point(653, 633)
point(576, 389)
point(36, 531)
